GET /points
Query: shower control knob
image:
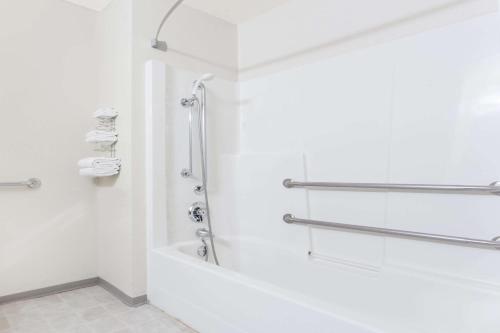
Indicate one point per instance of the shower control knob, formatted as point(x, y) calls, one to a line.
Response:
point(197, 212)
point(185, 173)
point(202, 251)
point(198, 189)
point(187, 102)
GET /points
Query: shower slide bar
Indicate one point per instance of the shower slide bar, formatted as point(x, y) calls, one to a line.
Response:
point(31, 183)
point(493, 188)
point(493, 244)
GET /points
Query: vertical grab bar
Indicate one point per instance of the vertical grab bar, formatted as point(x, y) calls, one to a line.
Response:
point(188, 172)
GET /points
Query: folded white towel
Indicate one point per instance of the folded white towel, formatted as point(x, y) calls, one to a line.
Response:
point(94, 172)
point(105, 113)
point(101, 136)
point(101, 133)
point(99, 162)
point(109, 140)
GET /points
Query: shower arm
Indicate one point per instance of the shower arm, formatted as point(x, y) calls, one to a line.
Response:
point(162, 45)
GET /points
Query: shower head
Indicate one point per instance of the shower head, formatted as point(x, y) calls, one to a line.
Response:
point(203, 78)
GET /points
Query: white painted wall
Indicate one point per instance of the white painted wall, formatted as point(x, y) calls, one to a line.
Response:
point(47, 95)
point(114, 195)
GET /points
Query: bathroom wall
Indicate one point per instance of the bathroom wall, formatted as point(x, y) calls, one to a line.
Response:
point(198, 43)
point(279, 124)
point(125, 29)
point(114, 195)
point(47, 96)
point(418, 109)
point(323, 28)
point(340, 106)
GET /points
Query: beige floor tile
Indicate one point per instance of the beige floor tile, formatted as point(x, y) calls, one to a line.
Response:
point(88, 310)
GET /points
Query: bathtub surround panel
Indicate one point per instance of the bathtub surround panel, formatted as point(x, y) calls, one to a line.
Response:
point(222, 129)
point(156, 163)
point(324, 28)
point(408, 111)
point(444, 135)
point(260, 200)
point(412, 110)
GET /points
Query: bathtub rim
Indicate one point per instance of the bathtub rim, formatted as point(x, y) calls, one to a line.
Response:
point(173, 252)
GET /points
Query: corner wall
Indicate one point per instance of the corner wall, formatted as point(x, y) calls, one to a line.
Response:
point(126, 28)
point(47, 96)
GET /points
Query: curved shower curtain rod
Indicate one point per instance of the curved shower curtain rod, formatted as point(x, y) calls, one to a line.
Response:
point(162, 45)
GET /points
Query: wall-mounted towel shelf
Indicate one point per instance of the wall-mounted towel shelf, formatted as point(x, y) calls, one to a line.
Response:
point(31, 183)
point(105, 137)
point(489, 244)
point(493, 188)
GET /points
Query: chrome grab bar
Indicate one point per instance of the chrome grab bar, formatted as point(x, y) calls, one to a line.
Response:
point(190, 103)
point(31, 183)
point(493, 188)
point(490, 244)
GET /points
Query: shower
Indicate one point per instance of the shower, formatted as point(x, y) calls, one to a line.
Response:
point(199, 212)
point(162, 45)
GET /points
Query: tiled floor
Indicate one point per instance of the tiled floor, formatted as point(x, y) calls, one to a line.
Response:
point(88, 310)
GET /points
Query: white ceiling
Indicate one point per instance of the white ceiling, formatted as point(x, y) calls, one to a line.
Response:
point(92, 4)
point(234, 11)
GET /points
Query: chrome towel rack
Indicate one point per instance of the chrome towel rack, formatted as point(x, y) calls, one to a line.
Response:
point(493, 188)
point(31, 183)
point(489, 244)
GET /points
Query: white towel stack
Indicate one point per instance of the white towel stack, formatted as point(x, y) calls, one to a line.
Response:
point(105, 119)
point(104, 113)
point(105, 138)
point(100, 136)
point(99, 166)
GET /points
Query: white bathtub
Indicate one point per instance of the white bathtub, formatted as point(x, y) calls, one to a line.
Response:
point(262, 288)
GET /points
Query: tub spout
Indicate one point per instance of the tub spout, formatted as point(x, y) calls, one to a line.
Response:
point(203, 233)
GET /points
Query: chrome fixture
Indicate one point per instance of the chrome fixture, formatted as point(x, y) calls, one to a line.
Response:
point(188, 102)
point(489, 244)
point(198, 189)
point(200, 212)
point(197, 212)
point(202, 251)
point(162, 45)
point(493, 188)
point(202, 233)
point(31, 183)
point(199, 83)
point(188, 172)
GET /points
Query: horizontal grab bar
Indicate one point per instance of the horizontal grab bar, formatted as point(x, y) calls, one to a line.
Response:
point(30, 183)
point(490, 244)
point(493, 188)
